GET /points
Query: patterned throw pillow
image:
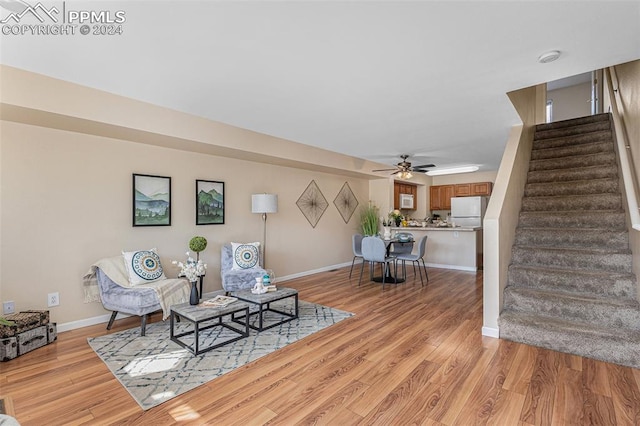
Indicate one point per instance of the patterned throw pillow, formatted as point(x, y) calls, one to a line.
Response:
point(245, 256)
point(143, 266)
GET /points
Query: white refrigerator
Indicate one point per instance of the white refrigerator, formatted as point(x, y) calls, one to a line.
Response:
point(468, 211)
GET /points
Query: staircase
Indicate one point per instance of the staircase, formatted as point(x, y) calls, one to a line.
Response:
point(570, 284)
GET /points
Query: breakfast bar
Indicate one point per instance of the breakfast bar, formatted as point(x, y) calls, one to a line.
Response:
point(449, 247)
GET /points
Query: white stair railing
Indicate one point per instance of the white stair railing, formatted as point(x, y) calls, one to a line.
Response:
point(624, 147)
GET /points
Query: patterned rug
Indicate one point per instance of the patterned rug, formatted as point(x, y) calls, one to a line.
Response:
point(154, 369)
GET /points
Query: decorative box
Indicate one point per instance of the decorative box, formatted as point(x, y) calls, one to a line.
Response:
point(44, 315)
point(23, 321)
point(52, 332)
point(32, 339)
point(8, 348)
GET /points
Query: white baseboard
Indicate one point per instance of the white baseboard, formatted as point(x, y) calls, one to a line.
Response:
point(491, 332)
point(313, 271)
point(102, 319)
point(456, 267)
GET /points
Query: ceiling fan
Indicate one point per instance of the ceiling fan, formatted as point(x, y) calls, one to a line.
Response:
point(403, 169)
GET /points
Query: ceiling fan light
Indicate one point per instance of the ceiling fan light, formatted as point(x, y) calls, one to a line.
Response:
point(453, 170)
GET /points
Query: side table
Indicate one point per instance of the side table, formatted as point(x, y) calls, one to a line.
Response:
point(264, 301)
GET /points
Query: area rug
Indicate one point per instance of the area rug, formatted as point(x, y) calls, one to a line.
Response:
point(154, 369)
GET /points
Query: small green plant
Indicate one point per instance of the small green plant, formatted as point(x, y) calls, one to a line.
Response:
point(4, 321)
point(198, 244)
point(369, 220)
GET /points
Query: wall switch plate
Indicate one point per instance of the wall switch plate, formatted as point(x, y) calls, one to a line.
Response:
point(8, 307)
point(53, 299)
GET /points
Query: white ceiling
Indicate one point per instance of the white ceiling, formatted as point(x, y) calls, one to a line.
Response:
point(372, 79)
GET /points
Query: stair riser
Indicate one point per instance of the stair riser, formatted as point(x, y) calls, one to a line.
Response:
point(613, 262)
point(588, 119)
point(587, 187)
point(571, 310)
point(573, 238)
point(603, 160)
point(569, 151)
point(585, 219)
point(600, 347)
point(572, 140)
point(573, 130)
point(615, 286)
point(587, 202)
point(584, 173)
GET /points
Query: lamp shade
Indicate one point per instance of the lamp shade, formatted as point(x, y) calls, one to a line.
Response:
point(264, 203)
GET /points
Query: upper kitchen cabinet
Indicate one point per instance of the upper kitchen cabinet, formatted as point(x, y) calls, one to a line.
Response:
point(407, 189)
point(473, 189)
point(440, 197)
point(481, 188)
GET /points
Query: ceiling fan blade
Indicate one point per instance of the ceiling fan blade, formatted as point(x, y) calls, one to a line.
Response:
point(424, 166)
point(383, 170)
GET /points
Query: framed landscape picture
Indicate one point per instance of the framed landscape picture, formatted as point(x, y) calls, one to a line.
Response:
point(151, 200)
point(209, 202)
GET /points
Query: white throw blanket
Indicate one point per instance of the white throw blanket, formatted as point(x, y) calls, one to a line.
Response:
point(170, 291)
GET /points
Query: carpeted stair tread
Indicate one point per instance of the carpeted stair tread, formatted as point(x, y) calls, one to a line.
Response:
point(596, 283)
point(572, 130)
point(576, 187)
point(572, 162)
point(570, 122)
point(573, 202)
point(573, 238)
point(614, 345)
point(606, 312)
point(588, 259)
point(572, 150)
point(575, 174)
point(612, 219)
point(602, 135)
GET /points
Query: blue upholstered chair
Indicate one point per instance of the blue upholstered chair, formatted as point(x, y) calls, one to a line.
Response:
point(374, 250)
point(416, 258)
point(128, 300)
point(356, 246)
point(236, 279)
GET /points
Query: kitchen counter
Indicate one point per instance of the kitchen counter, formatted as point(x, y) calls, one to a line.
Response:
point(449, 248)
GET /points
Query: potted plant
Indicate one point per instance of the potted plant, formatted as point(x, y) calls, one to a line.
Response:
point(369, 221)
point(198, 244)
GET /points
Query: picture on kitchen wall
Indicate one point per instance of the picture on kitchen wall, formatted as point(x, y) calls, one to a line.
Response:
point(209, 202)
point(151, 200)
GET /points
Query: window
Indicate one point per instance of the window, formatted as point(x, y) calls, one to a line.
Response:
point(549, 111)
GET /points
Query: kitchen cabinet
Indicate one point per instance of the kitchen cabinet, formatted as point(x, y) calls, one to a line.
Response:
point(404, 188)
point(440, 197)
point(481, 188)
point(473, 189)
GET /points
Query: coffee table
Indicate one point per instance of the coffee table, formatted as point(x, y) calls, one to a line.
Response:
point(201, 317)
point(264, 301)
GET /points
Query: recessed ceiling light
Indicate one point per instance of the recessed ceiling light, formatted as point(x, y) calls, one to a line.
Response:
point(453, 170)
point(549, 56)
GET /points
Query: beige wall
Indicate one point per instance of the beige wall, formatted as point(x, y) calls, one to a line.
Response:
point(503, 210)
point(66, 195)
point(571, 102)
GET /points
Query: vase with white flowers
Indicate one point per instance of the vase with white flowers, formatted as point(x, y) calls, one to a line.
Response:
point(192, 270)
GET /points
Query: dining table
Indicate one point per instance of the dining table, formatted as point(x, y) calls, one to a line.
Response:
point(390, 279)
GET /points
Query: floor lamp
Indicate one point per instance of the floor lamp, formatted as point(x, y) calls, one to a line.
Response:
point(264, 203)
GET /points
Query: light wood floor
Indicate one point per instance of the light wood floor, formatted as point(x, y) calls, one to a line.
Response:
point(410, 355)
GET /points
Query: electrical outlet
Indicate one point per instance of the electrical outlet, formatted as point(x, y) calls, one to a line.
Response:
point(53, 299)
point(8, 307)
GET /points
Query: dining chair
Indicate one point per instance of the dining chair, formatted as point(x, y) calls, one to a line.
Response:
point(356, 245)
point(374, 250)
point(416, 258)
point(404, 245)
